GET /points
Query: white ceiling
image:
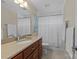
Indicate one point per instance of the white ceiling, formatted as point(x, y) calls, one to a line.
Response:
point(49, 7)
point(43, 7)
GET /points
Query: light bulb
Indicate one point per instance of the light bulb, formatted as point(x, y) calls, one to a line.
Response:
point(16, 1)
point(21, 5)
point(25, 4)
point(20, 1)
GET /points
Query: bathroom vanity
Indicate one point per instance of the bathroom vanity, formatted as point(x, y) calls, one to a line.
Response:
point(28, 50)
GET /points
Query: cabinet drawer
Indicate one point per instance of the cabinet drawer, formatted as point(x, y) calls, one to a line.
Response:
point(30, 57)
point(30, 49)
point(34, 55)
point(19, 56)
point(27, 52)
point(35, 45)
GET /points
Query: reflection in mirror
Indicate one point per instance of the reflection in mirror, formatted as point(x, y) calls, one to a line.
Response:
point(24, 26)
point(4, 33)
point(11, 30)
point(8, 31)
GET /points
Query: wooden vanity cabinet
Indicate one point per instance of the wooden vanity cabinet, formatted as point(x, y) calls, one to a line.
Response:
point(19, 56)
point(30, 49)
point(34, 51)
point(40, 49)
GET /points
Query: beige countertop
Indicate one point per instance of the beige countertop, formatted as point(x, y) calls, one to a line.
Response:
point(8, 50)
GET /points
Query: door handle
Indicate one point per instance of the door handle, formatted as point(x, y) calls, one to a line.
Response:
point(74, 48)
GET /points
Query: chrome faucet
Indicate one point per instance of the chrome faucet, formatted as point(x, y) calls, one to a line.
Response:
point(18, 38)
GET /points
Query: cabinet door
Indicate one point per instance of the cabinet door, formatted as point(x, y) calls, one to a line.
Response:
point(40, 52)
point(30, 57)
point(35, 54)
point(30, 49)
point(40, 49)
point(19, 56)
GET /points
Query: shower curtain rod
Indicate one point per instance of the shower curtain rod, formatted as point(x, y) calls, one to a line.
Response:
point(51, 15)
point(41, 16)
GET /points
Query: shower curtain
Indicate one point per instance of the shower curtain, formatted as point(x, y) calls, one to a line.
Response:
point(52, 30)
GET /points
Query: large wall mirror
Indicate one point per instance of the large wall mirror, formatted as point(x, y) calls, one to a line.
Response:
point(22, 27)
point(16, 21)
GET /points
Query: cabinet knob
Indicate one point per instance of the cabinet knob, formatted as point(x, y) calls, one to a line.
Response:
point(32, 48)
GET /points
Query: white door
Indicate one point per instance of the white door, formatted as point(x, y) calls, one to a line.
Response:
point(71, 42)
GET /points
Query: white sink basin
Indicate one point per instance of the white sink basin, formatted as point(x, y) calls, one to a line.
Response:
point(24, 42)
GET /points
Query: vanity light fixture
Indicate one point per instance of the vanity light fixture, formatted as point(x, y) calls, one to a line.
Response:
point(25, 4)
point(21, 3)
point(18, 1)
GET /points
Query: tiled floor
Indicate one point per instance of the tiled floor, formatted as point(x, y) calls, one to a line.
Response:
point(55, 54)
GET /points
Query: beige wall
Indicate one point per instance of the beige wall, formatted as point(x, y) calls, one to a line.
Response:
point(70, 11)
point(7, 16)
